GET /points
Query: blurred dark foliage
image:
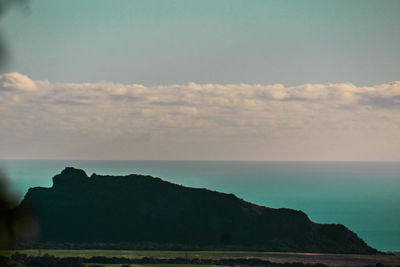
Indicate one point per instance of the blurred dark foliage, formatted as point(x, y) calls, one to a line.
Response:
point(6, 217)
point(15, 226)
point(5, 6)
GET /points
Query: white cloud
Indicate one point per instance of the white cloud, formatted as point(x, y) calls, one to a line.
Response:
point(199, 121)
point(16, 81)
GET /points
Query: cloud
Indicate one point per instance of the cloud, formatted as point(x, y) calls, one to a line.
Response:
point(16, 81)
point(382, 96)
point(197, 120)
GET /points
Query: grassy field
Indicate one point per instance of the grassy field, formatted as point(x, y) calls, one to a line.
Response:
point(329, 259)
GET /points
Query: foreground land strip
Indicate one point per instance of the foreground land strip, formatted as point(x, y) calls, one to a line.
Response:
point(276, 257)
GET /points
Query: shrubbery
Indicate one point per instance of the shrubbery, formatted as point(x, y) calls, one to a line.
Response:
point(22, 260)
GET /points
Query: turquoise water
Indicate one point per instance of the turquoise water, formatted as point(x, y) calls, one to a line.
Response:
point(363, 196)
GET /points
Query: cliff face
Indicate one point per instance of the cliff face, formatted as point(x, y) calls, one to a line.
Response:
point(140, 209)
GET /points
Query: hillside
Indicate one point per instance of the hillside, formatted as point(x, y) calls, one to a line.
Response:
point(137, 209)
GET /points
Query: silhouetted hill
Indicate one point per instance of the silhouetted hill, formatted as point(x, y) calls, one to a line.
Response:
point(143, 209)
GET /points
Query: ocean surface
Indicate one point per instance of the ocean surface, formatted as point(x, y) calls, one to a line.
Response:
point(365, 197)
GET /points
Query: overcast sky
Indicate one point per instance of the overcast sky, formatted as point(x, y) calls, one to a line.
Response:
point(206, 80)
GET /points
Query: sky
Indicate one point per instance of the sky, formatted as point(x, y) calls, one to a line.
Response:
point(201, 80)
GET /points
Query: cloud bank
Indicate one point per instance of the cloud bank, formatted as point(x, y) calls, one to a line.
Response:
point(104, 120)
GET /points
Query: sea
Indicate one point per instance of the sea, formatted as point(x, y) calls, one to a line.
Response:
point(364, 196)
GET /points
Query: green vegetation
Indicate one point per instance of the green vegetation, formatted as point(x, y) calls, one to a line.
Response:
point(278, 257)
point(157, 265)
point(132, 254)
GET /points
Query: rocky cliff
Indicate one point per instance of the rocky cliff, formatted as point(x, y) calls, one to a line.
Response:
point(146, 210)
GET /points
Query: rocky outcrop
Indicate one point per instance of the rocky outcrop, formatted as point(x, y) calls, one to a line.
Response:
point(143, 209)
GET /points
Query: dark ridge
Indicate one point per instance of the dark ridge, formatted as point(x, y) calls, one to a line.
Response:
point(143, 211)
